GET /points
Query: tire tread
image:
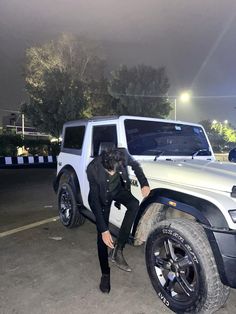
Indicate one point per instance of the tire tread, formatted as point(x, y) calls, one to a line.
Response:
point(217, 293)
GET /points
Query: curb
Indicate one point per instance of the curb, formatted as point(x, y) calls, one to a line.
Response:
point(28, 162)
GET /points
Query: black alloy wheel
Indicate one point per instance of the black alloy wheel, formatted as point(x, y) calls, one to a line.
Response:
point(68, 209)
point(66, 204)
point(175, 269)
point(182, 268)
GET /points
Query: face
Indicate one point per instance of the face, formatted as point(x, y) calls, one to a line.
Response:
point(116, 166)
point(112, 160)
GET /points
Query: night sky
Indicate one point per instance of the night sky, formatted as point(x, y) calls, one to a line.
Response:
point(194, 39)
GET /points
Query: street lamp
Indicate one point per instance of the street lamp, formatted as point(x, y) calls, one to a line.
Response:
point(184, 98)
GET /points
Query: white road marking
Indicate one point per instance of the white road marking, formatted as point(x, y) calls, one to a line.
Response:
point(55, 238)
point(30, 226)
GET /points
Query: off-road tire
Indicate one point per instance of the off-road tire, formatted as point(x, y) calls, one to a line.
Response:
point(182, 268)
point(69, 213)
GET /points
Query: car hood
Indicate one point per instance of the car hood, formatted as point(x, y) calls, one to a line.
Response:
point(202, 174)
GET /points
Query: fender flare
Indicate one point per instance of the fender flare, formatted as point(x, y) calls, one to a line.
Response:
point(204, 211)
point(74, 181)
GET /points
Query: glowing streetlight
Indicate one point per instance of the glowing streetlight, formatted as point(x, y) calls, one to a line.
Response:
point(214, 122)
point(184, 98)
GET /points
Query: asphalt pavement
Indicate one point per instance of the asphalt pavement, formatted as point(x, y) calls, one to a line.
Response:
point(46, 268)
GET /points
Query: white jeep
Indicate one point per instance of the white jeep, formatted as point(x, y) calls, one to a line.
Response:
point(189, 220)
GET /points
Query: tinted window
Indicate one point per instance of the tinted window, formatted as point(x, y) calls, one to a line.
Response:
point(106, 133)
point(163, 138)
point(74, 137)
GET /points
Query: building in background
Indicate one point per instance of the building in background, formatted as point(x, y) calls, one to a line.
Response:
point(15, 123)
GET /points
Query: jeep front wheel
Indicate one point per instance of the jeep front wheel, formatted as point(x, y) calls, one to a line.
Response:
point(68, 209)
point(182, 268)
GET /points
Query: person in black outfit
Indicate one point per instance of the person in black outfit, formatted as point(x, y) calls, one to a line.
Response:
point(108, 181)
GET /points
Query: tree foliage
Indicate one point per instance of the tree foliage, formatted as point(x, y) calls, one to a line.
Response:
point(221, 135)
point(62, 78)
point(140, 90)
point(9, 144)
point(65, 80)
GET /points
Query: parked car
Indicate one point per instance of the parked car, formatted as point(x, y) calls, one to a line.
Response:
point(188, 223)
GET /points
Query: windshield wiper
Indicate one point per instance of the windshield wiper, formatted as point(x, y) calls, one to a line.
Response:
point(194, 154)
point(159, 154)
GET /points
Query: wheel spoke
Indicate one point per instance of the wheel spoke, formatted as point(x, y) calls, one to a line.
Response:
point(65, 206)
point(162, 263)
point(63, 209)
point(168, 286)
point(184, 284)
point(184, 262)
point(170, 250)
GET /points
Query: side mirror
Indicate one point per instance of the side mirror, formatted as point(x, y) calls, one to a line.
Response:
point(232, 155)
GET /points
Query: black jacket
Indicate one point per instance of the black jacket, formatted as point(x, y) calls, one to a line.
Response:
point(99, 185)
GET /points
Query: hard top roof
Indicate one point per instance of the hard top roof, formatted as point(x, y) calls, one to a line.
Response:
point(123, 117)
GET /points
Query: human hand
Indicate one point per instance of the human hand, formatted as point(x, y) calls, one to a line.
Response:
point(145, 191)
point(107, 239)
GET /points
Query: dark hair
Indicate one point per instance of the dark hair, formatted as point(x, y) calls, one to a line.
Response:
point(112, 158)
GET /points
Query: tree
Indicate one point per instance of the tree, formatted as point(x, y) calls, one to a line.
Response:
point(140, 90)
point(61, 77)
point(101, 103)
point(221, 135)
point(9, 144)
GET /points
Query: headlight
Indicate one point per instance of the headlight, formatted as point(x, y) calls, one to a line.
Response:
point(233, 193)
point(233, 214)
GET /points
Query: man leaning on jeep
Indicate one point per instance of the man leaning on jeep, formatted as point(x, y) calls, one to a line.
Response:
point(109, 181)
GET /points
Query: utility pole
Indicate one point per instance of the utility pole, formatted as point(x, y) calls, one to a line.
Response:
point(175, 103)
point(23, 125)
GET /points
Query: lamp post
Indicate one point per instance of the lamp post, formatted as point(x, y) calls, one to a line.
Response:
point(184, 98)
point(175, 104)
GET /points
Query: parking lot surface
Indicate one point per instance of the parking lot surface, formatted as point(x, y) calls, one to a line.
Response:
point(46, 268)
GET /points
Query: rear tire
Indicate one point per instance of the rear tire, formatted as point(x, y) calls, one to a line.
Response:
point(69, 213)
point(182, 268)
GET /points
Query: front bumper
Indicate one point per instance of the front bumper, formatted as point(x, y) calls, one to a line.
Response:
point(223, 244)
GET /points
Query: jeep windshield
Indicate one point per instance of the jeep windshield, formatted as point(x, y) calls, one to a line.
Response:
point(157, 138)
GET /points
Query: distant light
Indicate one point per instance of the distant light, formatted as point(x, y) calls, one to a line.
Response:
point(56, 140)
point(214, 121)
point(226, 122)
point(53, 140)
point(185, 97)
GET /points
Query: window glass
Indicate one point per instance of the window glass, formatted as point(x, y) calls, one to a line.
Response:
point(105, 133)
point(74, 137)
point(154, 138)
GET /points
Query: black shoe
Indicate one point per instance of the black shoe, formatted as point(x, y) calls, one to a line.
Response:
point(105, 285)
point(118, 259)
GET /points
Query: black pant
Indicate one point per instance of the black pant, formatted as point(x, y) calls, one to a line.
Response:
point(125, 198)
